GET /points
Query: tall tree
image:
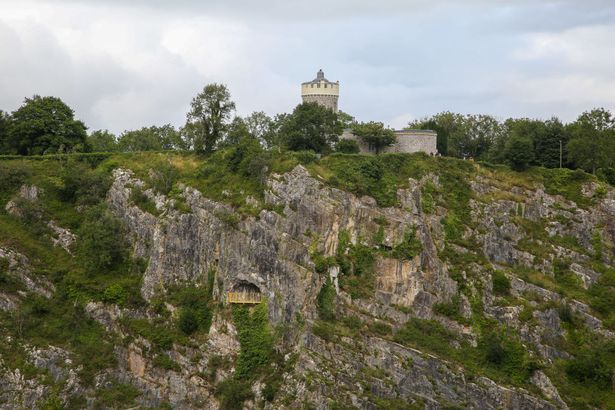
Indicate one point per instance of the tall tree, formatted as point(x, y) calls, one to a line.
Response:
point(444, 124)
point(592, 140)
point(519, 152)
point(311, 127)
point(375, 135)
point(45, 125)
point(261, 127)
point(208, 117)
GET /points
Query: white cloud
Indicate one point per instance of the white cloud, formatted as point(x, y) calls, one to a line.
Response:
point(124, 65)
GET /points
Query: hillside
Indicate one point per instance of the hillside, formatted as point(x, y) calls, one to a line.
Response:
point(390, 282)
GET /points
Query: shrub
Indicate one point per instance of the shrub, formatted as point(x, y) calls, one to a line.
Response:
point(501, 283)
point(233, 393)
point(381, 328)
point(347, 146)
point(187, 321)
point(590, 367)
point(326, 301)
point(409, 247)
point(165, 362)
point(141, 200)
point(102, 245)
point(306, 157)
point(425, 334)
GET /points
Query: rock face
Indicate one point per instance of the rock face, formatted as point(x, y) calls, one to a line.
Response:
point(279, 250)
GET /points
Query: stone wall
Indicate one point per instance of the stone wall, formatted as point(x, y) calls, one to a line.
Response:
point(407, 141)
point(329, 101)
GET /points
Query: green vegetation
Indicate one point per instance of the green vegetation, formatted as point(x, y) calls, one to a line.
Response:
point(375, 135)
point(501, 283)
point(256, 357)
point(326, 301)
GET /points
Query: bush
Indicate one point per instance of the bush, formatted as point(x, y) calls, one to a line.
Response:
point(102, 246)
point(425, 334)
point(326, 301)
point(233, 393)
point(590, 367)
point(346, 146)
point(187, 321)
point(409, 247)
point(501, 283)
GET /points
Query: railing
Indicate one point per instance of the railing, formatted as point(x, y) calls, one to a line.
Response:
point(243, 297)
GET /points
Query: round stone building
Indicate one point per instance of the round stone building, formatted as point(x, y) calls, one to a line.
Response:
point(321, 91)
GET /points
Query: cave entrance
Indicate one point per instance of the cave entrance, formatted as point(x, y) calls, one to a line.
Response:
point(244, 292)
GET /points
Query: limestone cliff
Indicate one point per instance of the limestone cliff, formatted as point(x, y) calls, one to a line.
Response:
point(426, 309)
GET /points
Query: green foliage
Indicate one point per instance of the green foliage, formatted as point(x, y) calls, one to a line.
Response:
point(425, 334)
point(357, 268)
point(567, 183)
point(233, 393)
point(506, 354)
point(150, 139)
point(102, 246)
point(501, 283)
point(519, 153)
point(450, 309)
point(45, 125)
point(141, 200)
point(117, 395)
point(208, 117)
point(196, 306)
point(347, 146)
point(165, 362)
point(375, 135)
point(82, 185)
point(102, 141)
point(381, 328)
point(255, 338)
point(590, 366)
point(311, 127)
point(326, 301)
point(409, 247)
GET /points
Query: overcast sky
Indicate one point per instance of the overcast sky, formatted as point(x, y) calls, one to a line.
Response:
point(124, 64)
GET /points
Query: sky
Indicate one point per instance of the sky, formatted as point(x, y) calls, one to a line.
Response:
point(123, 64)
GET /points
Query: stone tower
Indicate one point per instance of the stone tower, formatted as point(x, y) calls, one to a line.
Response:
point(321, 91)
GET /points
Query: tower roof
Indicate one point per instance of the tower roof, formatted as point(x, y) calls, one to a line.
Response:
point(320, 76)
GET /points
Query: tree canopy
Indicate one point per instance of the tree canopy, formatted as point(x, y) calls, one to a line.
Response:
point(311, 127)
point(151, 139)
point(375, 135)
point(208, 118)
point(44, 125)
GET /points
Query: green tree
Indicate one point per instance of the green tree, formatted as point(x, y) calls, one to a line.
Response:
point(347, 146)
point(346, 119)
point(102, 141)
point(310, 127)
point(45, 125)
point(375, 135)
point(4, 129)
point(151, 139)
point(102, 245)
point(261, 127)
point(445, 124)
point(547, 144)
point(208, 117)
point(592, 140)
point(519, 152)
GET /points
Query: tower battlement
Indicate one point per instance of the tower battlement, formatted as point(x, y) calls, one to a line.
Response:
point(321, 91)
